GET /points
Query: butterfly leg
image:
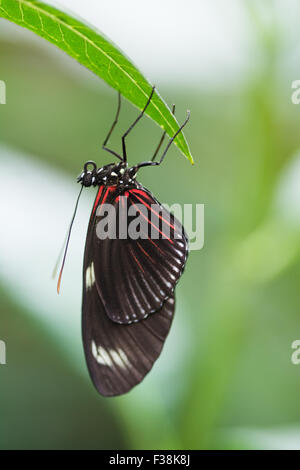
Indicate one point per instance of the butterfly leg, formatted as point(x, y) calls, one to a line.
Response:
point(152, 163)
point(134, 123)
point(162, 139)
point(111, 130)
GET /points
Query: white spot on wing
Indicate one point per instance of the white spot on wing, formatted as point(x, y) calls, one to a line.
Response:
point(120, 358)
point(108, 358)
point(90, 276)
point(101, 355)
point(124, 357)
point(94, 349)
point(116, 358)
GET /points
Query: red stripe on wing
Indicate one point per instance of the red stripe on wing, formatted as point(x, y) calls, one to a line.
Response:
point(151, 223)
point(97, 198)
point(145, 252)
point(156, 245)
point(135, 259)
point(142, 193)
point(109, 189)
point(152, 210)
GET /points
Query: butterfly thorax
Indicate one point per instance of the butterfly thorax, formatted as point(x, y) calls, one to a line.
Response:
point(109, 175)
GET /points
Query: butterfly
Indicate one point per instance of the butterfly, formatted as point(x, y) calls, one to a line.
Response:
point(128, 281)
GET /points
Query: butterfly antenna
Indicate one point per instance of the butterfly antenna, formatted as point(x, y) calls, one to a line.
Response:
point(66, 245)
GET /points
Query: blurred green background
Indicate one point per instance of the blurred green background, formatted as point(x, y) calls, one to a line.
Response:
point(225, 377)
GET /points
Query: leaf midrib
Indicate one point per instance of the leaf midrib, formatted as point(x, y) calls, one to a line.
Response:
point(46, 13)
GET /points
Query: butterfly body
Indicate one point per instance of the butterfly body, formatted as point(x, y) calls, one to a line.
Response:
point(109, 175)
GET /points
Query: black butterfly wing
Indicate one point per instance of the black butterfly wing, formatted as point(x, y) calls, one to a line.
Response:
point(118, 356)
point(134, 278)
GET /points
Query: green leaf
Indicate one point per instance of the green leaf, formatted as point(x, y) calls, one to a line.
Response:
point(96, 53)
